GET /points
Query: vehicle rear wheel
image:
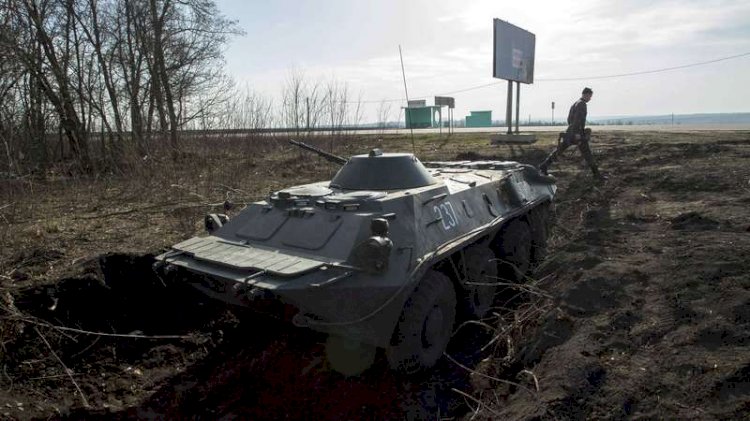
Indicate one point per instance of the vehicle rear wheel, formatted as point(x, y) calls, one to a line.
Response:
point(425, 326)
point(348, 356)
point(480, 269)
point(513, 249)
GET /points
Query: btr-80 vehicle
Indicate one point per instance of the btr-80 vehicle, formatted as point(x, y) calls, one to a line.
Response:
point(388, 254)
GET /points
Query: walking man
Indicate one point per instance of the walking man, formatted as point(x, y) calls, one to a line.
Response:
point(576, 134)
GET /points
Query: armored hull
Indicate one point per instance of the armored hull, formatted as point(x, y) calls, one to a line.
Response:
point(358, 256)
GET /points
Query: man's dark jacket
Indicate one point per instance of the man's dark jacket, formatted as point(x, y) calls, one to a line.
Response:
point(577, 117)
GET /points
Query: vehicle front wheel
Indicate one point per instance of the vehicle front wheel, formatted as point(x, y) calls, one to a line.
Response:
point(480, 286)
point(539, 221)
point(425, 325)
point(513, 247)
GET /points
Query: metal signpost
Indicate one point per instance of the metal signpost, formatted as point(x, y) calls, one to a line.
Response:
point(446, 101)
point(513, 60)
point(553, 112)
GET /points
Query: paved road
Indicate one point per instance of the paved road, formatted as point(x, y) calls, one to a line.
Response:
point(628, 128)
point(489, 130)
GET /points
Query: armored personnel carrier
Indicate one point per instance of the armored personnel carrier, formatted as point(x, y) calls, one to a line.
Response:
point(388, 254)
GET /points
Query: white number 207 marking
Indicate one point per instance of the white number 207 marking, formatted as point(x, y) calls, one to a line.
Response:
point(445, 212)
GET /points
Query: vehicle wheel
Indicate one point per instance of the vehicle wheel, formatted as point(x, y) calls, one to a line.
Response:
point(539, 222)
point(348, 356)
point(425, 326)
point(514, 250)
point(480, 269)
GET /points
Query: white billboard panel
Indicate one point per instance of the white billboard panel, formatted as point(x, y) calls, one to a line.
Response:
point(513, 57)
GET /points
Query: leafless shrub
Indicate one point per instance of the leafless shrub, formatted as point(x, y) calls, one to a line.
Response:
point(384, 111)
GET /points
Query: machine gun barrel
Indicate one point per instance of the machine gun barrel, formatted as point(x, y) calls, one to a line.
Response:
point(327, 156)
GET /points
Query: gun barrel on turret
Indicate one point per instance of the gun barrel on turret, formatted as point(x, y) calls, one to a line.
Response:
point(325, 155)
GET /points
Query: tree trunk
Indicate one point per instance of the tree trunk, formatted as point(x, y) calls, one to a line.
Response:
point(160, 75)
point(60, 99)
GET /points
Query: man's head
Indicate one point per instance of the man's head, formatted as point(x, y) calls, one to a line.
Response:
point(586, 94)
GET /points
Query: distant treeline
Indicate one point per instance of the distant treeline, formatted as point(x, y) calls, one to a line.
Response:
point(704, 118)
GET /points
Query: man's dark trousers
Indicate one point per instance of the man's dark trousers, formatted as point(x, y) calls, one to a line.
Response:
point(568, 139)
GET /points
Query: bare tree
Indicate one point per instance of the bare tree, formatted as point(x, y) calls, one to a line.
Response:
point(90, 25)
point(356, 112)
point(124, 66)
point(246, 110)
point(10, 78)
point(292, 97)
point(130, 56)
point(42, 26)
point(384, 111)
point(337, 96)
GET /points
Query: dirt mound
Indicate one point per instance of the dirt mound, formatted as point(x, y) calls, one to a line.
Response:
point(652, 311)
point(124, 296)
point(517, 153)
point(474, 156)
point(271, 370)
point(118, 327)
point(28, 263)
point(693, 221)
point(142, 347)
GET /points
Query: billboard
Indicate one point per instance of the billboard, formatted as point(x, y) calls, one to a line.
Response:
point(445, 101)
point(513, 52)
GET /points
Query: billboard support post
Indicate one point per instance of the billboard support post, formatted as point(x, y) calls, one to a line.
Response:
point(446, 101)
point(518, 102)
point(509, 108)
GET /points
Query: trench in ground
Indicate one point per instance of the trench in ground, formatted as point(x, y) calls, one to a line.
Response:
point(228, 361)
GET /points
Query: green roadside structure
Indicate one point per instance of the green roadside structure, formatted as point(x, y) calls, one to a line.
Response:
point(422, 117)
point(419, 115)
point(479, 119)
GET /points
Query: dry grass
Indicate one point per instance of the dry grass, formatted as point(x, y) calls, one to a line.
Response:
point(51, 220)
point(620, 231)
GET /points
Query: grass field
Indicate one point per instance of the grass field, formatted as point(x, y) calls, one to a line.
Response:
point(642, 309)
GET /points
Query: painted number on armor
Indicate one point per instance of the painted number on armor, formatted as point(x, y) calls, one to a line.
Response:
point(447, 215)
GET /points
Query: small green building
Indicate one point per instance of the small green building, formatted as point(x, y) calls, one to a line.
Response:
point(479, 119)
point(422, 117)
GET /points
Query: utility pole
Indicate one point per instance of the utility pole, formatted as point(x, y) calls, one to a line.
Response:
point(553, 112)
point(307, 101)
point(406, 110)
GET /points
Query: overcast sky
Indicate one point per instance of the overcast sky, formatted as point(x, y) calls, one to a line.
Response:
point(447, 46)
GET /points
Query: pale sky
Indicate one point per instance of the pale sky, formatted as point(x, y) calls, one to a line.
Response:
point(447, 46)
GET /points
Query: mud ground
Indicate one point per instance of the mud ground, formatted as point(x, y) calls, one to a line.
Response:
point(641, 311)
